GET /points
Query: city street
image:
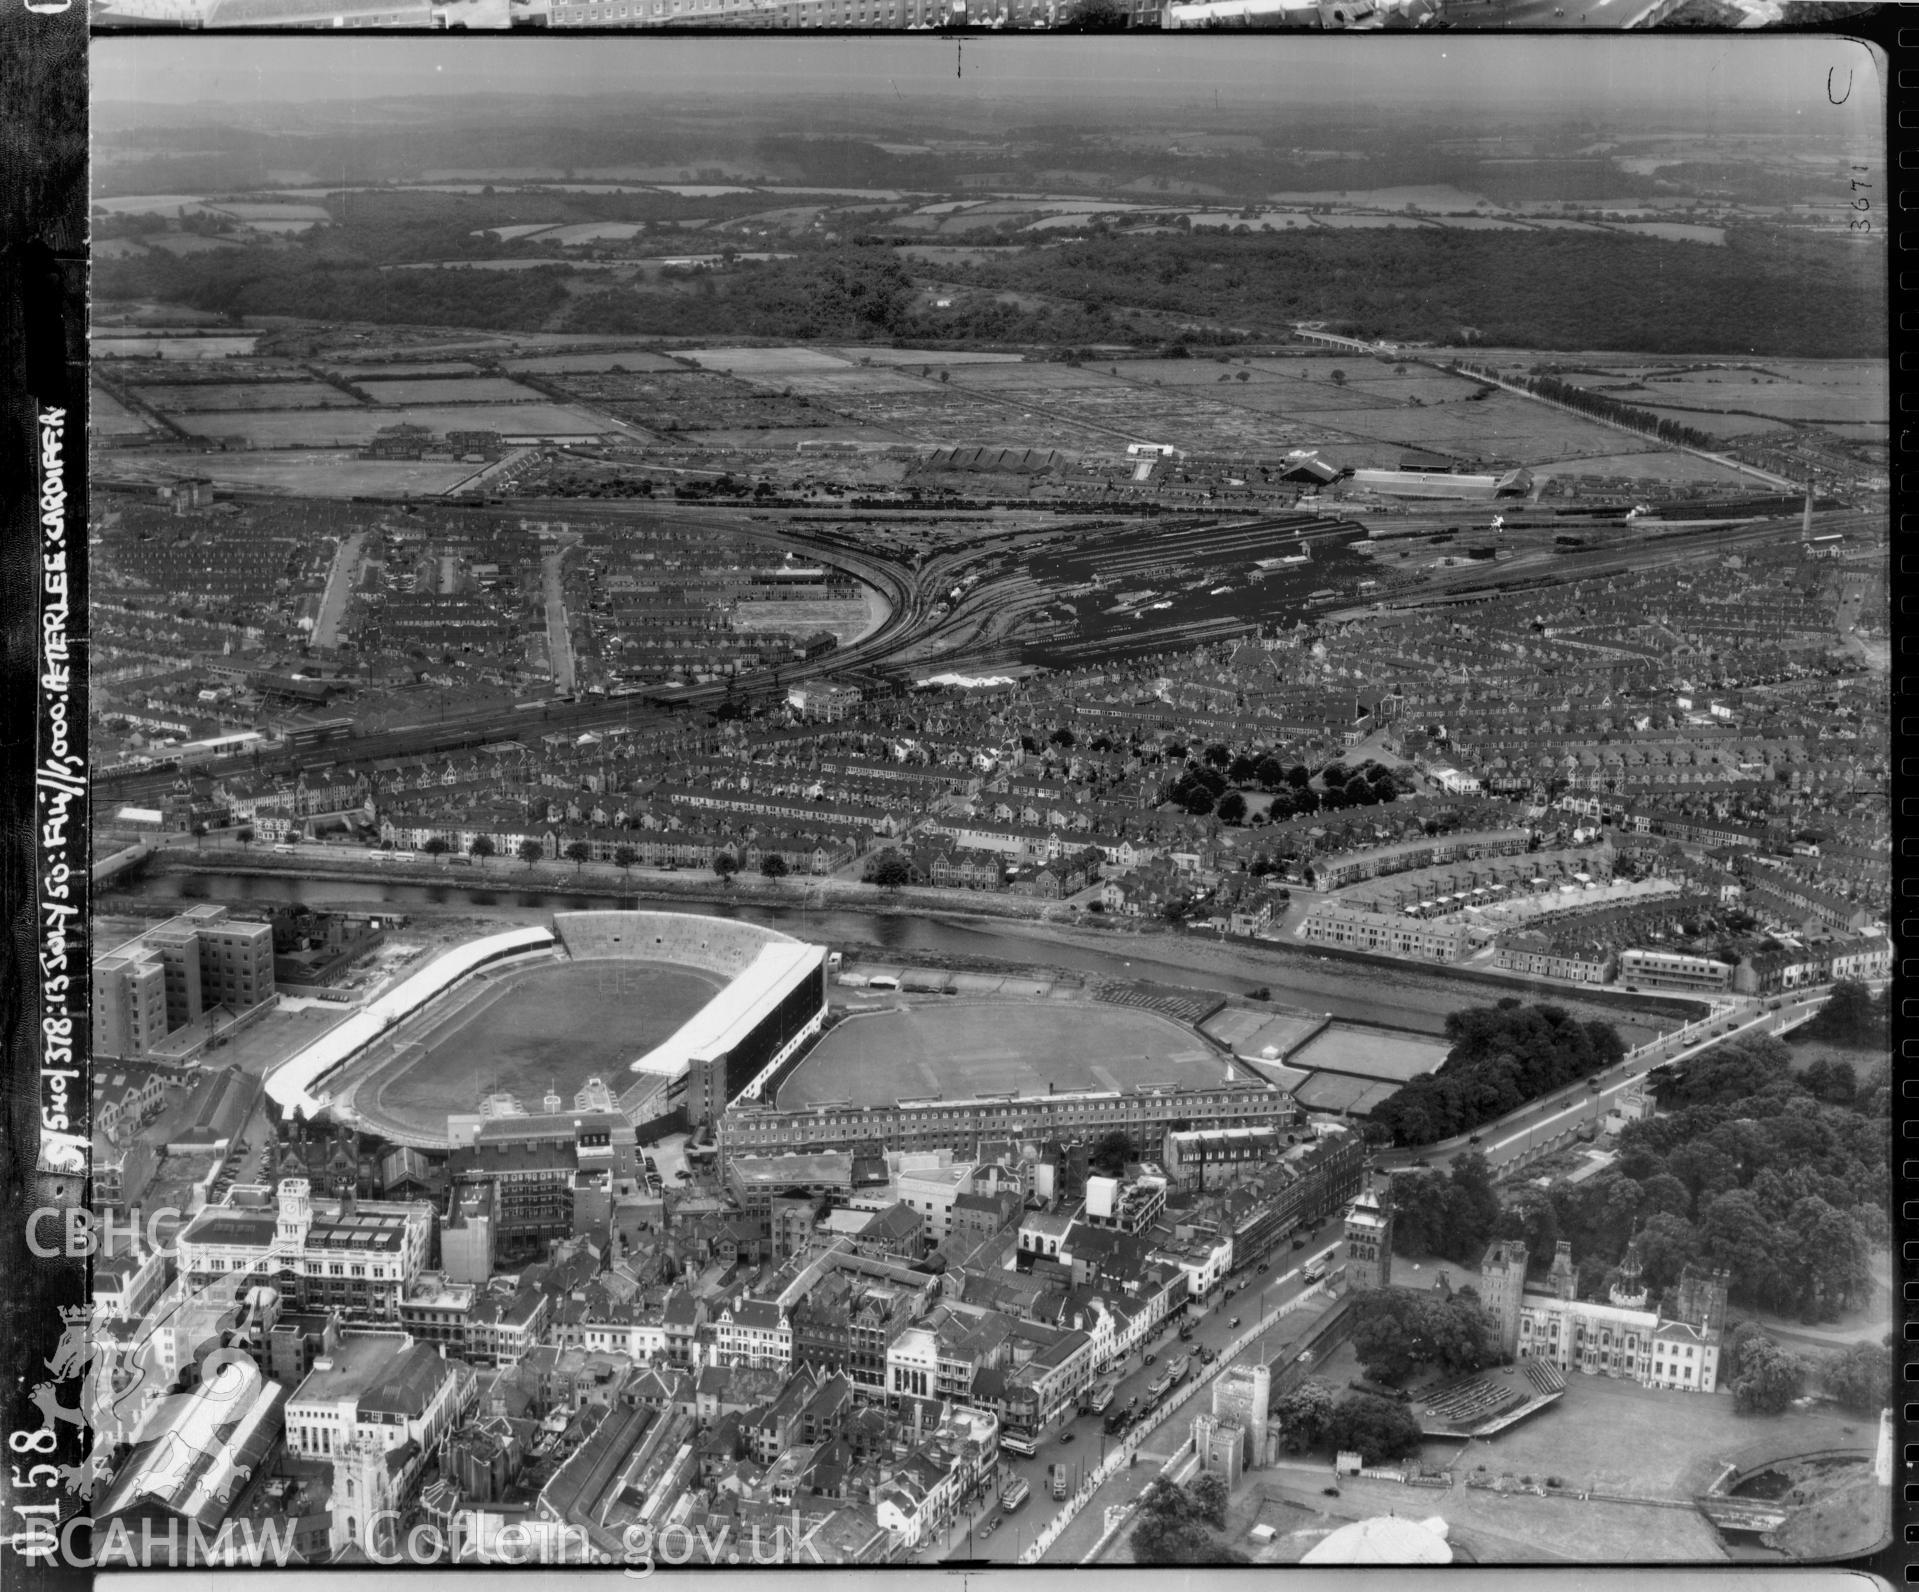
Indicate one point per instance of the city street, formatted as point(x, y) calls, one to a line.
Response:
point(1253, 1294)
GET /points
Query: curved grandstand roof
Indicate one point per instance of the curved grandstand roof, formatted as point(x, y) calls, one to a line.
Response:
point(290, 1085)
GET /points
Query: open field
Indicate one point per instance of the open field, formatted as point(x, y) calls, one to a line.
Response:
point(269, 211)
point(305, 472)
point(686, 400)
point(454, 390)
point(185, 398)
point(110, 347)
point(1649, 466)
point(452, 367)
point(1371, 1053)
point(1431, 196)
point(532, 263)
point(1715, 426)
point(770, 362)
point(110, 418)
point(636, 359)
point(544, 1027)
point(1364, 223)
point(996, 1047)
point(1612, 1435)
point(347, 428)
point(1032, 377)
point(927, 356)
point(1846, 393)
point(593, 232)
point(240, 373)
point(1504, 424)
point(788, 438)
point(840, 382)
point(947, 417)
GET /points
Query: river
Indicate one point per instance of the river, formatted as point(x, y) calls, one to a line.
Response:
point(1355, 993)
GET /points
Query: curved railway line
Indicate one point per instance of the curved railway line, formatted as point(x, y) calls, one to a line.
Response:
point(926, 628)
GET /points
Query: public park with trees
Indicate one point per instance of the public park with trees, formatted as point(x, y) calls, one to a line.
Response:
point(1748, 1168)
point(1400, 1334)
point(1453, 1214)
point(1377, 1429)
point(1500, 1058)
point(1180, 1524)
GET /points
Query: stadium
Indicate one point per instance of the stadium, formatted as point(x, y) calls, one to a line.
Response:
point(678, 1013)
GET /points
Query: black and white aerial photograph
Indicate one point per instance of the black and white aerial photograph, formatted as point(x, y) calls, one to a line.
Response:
point(692, 640)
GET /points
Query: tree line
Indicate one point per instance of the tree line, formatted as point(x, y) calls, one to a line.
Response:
point(1500, 1058)
point(1781, 1180)
point(1550, 290)
point(1616, 410)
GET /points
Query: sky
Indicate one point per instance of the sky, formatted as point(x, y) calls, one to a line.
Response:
point(1796, 77)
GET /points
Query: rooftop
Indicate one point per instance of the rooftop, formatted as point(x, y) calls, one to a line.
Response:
point(383, 1372)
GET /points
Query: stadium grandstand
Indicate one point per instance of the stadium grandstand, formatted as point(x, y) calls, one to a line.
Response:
point(736, 1045)
point(294, 1085)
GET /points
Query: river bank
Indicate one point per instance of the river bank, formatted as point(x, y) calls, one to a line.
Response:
point(926, 927)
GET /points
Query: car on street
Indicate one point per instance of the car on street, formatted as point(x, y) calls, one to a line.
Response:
point(1151, 1358)
point(1234, 1322)
point(1066, 1436)
point(1265, 1265)
point(989, 1527)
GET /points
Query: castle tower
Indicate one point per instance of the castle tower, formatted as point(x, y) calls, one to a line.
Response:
point(1243, 1396)
point(1369, 1241)
point(1628, 1291)
point(1563, 1279)
point(1701, 1300)
point(364, 1501)
point(1502, 1288)
point(296, 1215)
